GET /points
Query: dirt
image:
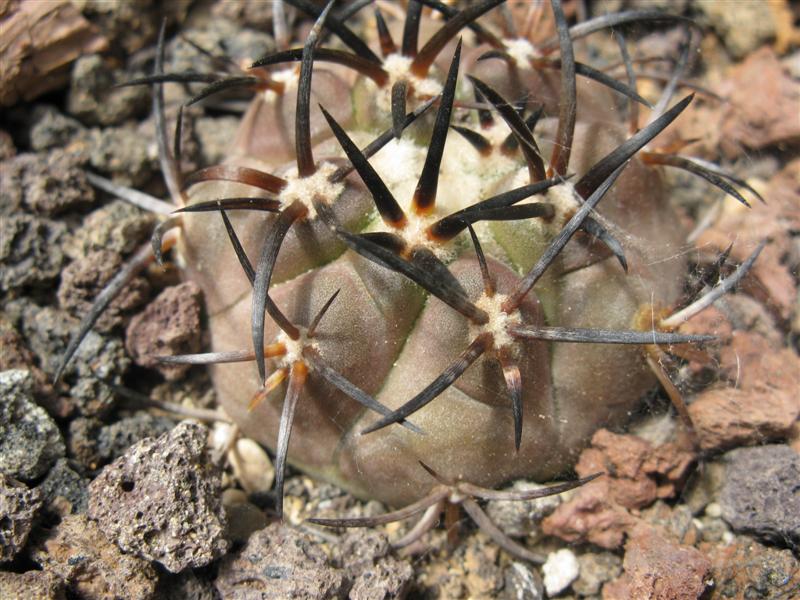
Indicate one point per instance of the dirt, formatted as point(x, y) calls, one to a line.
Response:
point(677, 513)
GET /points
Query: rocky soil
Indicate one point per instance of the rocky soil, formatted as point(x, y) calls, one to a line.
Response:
point(124, 481)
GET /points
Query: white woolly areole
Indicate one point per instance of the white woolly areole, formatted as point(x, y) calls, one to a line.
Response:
point(306, 189)
point(398, 68)
point(288, 77)
point(522, 51)
point(499, 322)
point(294, 349)
point(565, 201)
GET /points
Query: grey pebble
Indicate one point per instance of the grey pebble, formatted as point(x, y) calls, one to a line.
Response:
point(99, 360)
point(276, 563)
point(18, 509)
point(93, 98)
point(63, 481)
point(49, 128)
point(161, 500)
point(124, 154)
point(46, 183)
point(522, 583)
point(29, 251)
point(116, 227)
point(761, 495)
point(114, 440)
point(596, 568)
point(30, 441)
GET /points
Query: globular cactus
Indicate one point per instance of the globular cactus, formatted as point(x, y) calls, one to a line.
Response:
point(450, 307)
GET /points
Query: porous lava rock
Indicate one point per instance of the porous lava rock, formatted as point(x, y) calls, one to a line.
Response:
point(657, 568)
point(169, 325)
point(276, 563)
point(18, 508)
point(30, 441)
point(761, 494)
point(92, 567)
point(161, 500)
point(33, 585)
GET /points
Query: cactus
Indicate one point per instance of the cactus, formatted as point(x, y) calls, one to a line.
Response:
point(414, 290)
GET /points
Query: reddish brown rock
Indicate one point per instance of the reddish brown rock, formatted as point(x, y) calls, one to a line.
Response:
point(33, 585)
point(770, 280)
point(591, 516)
point(636, 474)
point(92, 567)
point(748, 121)
point(169, 325)
point(657, 568)
point(83, 280)
point(726, 418)
point(640, 472)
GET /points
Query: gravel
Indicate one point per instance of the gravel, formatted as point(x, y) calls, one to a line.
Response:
point(92, 567)
point(761, 495)
point(30, 441)
point(18, 509)
point(161, 500)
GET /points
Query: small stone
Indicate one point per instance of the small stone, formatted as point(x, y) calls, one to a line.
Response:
point(7, 148)
point(93, 97)
point(746, 121)
point(92, 567)
point(276, 563)
point(251, 466)
point(18, 509)
point(591, 515)
point(521, 518)
point(50, 129)
point(33, 585)
point(82, 442)
point(742, 30)
point(214, 137)
point(169, 325)
point(675, 520)
point(243, 518)
point(746, 569)
point(118, 227)
point(372, 567)
point(522, 583)
point(83, 280)
point(98, 362)
point(30, 441)
point(761, 495)
point(484, 578)
point(640, 472)
point(49, 183)
point(161, 500)
point(704, 486)
point(730, 417)
point(114, 440)
point(63, 482)
point(659, 569)
point(122, 153)
point(596, 568)
point(560, 570)
point(185, 586)
point(29, 251)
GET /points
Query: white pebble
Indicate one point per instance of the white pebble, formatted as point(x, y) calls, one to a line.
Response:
point(560, 570)
point(252, 466)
